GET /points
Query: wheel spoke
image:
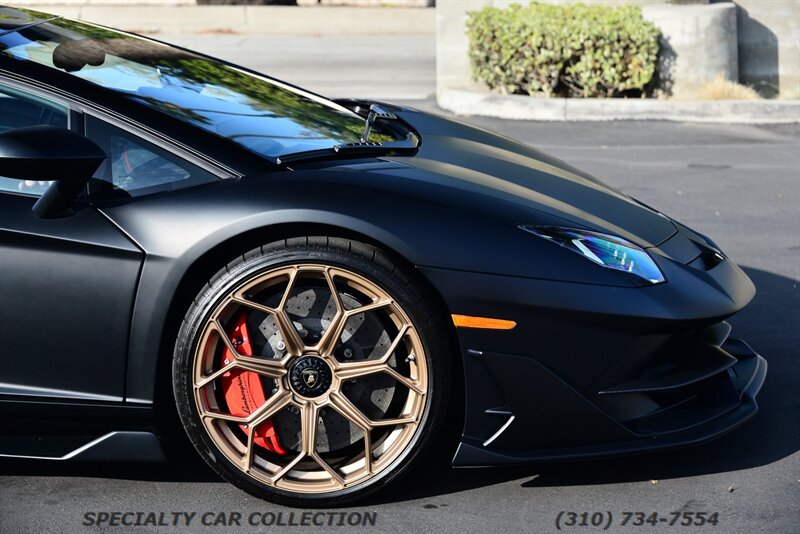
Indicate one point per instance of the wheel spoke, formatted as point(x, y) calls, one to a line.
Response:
point(381, 303)
point(272, 405)
point(247, 460)
point(291, 337)
point(309, 436)
point(396, 343)
point(294, 345)
point(367, 452)
point(241, 419)
point(268, 368)
point(347, 371)
point(395, 421)
point(288, 333)
point(264, 412)
point(217, 326)
point(309, 427)
point(354, 415)
point(337, 300)
point(331, 471)
point(242, 301)
point(328, 341)
point(331, 336)
point(226, 417)
point(287, 293)
point(347, 409)
point(288, 467)
point(407, 382)
point(216, 374)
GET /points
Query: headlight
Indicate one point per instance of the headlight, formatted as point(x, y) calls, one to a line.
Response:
point(607, 250)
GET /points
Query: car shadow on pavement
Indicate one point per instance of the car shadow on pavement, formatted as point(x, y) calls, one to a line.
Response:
point(770, 324)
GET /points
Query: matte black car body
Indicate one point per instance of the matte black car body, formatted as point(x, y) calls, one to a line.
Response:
point(596, 365)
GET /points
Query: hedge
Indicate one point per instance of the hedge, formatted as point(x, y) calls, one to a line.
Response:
point(563, 50)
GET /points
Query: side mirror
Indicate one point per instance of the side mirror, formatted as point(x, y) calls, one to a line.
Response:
point(50, 153)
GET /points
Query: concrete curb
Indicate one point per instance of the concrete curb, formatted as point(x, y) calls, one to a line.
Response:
point(611, 109)
point(263, 20)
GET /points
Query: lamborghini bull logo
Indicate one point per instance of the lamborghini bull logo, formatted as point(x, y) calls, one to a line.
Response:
point(310, 377)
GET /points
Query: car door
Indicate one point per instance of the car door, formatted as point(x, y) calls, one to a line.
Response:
point(67, 286)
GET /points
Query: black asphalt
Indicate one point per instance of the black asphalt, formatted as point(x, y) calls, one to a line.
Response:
point(739, 184)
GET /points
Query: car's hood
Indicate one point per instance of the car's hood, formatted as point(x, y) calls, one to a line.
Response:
point(488, 164)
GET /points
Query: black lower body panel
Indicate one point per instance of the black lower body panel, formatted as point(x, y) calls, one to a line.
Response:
point(549, 412)
point(58, 429)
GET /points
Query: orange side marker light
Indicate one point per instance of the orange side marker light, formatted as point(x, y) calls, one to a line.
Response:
point(469, 321)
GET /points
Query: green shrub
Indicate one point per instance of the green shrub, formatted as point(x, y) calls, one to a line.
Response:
point(563, 50)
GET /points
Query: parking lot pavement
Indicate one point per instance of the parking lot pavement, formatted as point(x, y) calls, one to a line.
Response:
point(739, 184)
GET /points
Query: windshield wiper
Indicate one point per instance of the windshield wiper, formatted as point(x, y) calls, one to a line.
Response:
point(349, 149)
point(375, 112)
point(407, 144)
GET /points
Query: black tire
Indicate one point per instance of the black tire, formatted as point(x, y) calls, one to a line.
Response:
point(374, 265)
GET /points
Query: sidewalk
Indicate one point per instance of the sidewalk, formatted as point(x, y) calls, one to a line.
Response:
point(522, 107)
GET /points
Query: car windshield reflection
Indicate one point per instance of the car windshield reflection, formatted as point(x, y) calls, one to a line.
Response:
point(263, 115)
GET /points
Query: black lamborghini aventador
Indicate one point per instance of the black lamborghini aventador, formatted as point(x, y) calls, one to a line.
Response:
point(318, 291)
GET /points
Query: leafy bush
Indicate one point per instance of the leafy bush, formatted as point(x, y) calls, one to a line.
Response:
point(563, 50)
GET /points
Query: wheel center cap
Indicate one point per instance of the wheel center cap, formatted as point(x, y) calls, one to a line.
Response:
point(310, 376)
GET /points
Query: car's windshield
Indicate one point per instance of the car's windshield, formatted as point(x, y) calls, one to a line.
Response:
point(261, 114)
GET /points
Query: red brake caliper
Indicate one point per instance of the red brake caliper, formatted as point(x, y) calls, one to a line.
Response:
point(244, 392)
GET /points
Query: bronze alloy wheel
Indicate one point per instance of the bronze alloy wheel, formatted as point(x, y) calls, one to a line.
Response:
point(309, 378)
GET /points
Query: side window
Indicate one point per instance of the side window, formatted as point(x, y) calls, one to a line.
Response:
point(19, 109)
point(136, 167)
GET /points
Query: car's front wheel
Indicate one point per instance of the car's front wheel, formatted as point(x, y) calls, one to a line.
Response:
point(312, 371)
